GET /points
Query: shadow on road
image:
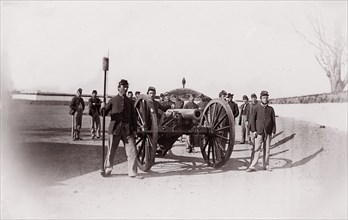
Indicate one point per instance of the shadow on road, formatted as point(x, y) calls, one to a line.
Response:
point(51, 163)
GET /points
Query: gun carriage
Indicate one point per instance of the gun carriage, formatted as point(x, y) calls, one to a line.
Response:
point(213, 129)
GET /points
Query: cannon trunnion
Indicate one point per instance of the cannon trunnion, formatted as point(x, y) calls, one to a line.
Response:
point(213, 129)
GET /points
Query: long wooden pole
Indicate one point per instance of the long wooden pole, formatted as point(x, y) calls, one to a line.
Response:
point(103, 143)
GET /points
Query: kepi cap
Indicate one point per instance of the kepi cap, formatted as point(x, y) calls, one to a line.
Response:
point(264, 93)
point(245, 97)
point(123, 82)
point(151, 88)
point(253, 95)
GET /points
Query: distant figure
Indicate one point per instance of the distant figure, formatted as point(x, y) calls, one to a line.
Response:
point(183, 83)
point(167, 101)
point(242, 119)
point(123, 127)
point(190, 105)
point(203, 102)
point(179, 104)
point(130, 95)
point(151, 92)
point(263, 126)
point(222, 95)
point(77, 106)
point(161, 98)
point(159, 109)
point(137, 94)
point(253, 104)
point(233, 105)
point(94, 104)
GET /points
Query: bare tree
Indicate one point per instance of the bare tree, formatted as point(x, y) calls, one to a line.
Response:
point(330, 51)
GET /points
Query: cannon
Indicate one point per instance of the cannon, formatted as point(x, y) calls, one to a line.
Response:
point(213, 129)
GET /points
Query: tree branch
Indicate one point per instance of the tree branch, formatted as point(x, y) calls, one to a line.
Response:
point(323, 65)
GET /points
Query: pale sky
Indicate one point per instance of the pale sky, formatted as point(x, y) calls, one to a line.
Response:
point(241, 47)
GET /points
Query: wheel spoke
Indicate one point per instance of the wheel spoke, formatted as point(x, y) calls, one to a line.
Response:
point(209, 148)
point(215, 126)
point(140, 117)
point(220, 129)
point(223, 150)
point(223, 137)
point(141, 148)
point(205, 146)
point(144, 151)
point(213, 152)
point(218, 114)
point(140, 139)
point(213, 113)
point(206, 119)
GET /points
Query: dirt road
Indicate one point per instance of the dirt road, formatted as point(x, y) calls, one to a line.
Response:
point(45, 175)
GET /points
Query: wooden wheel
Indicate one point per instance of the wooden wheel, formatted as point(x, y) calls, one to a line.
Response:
point(217, 144)
point(147, 132)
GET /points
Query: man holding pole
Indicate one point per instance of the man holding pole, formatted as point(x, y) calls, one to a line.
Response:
point(77, 106)
point(123, 127)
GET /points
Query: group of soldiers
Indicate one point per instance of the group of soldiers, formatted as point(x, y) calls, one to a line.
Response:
point(258, 125)
point(257, 120)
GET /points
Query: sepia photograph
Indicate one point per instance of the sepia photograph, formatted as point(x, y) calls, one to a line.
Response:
point(174, 109)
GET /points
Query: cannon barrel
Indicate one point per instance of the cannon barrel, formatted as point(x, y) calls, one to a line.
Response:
point(185, 113)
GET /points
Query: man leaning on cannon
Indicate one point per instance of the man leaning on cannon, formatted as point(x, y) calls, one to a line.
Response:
point(123, 127)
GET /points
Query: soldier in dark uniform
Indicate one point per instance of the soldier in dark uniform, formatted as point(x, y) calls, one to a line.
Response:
point(123, 127)
point(242, 119)
point(253, 105)
point(222, 95)
point(263, 126)
point(233, 105)
point(151, 92)
point(77, 106)
point(159, 109)
point(189, 141)
point(137, 94)
point(203, 102)
point(94, 111)
point(179, 104)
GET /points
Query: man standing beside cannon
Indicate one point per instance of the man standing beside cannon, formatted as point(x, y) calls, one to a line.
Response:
point(190, 105)
point(263, 126)
point(232, 104)
point(244, 109)
point(123, 127)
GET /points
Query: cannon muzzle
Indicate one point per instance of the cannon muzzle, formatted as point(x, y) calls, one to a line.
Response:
point(185, 113)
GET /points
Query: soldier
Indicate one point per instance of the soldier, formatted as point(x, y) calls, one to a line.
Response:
point(178, 103)
point(233, 105)
point(242, 119)
point(203, 102)
point(77, 106)
point(222, 95)
point(161, 100)
point(159, 109)
point(137, 94)
point(123, 127)
point(130, 95)
point(151, 92)
point(94, 111)
point(167, 101)
point(253, 104)
point(190, 105)
point(263, 126)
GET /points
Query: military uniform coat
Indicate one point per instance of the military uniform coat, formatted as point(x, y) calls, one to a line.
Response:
point(123, 115)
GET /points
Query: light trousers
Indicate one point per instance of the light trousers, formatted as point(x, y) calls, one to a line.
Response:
point(129, 146)
point(263, 140)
